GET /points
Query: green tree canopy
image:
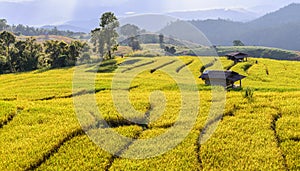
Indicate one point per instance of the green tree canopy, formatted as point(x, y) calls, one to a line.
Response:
point(170, 50)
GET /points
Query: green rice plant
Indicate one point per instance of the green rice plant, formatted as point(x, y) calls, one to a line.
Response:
point(247, 66)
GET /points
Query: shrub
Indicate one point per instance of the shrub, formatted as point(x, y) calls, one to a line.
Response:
point(267, 70)
point(247, 66)
point(249, 93)
point(85, 57)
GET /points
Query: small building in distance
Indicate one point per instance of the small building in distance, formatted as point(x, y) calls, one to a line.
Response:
point(237, 57)
point(222, 78)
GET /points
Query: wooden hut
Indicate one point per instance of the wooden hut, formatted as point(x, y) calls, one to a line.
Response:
point(222, 78)
point(237, 57)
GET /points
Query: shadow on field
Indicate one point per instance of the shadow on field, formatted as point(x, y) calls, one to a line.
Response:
point(159, 67)
point(183, 66)
point(141, 65)
point(106, 66)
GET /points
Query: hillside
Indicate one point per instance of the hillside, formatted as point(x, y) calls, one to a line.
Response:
point(44, 38)
point(260, 52)
point(67, 27)
point(278, 29)
point(40, 129)
point(145, 21)
point(192, 49)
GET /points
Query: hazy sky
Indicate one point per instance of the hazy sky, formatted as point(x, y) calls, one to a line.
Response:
point(171, 5)
point(52, 11)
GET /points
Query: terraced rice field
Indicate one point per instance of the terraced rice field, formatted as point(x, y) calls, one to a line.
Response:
point(42, 128)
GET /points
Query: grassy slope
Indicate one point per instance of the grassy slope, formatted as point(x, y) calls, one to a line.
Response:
point(151, 50)
point(260, 52)
point(257, 134)
point(41, 39)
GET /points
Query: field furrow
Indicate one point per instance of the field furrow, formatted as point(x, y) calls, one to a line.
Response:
point(184, 65)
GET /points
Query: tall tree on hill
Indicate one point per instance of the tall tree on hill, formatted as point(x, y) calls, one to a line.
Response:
point(105, 37)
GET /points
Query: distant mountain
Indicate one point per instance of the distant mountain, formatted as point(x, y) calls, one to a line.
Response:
point(229, 14)
point(285, 15)
point(277, 29)
point(66, 28)
point(264, 9)
point(155, 22)
point(85, 25)
point(149, 22)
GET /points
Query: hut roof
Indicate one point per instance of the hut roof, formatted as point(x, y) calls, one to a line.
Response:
point(216, 74)
point(237, 55)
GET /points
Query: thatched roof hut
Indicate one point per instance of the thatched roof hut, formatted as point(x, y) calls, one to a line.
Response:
point(223, 78)
point(237, 57)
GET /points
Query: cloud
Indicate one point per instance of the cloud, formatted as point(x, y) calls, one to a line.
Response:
point(130, 13)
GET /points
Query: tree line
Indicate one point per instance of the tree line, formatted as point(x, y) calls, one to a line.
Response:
point(27, 55)
point(32, 31)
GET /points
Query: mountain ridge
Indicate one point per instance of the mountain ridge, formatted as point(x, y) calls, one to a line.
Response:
point(145, 20)
point(279, 29)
